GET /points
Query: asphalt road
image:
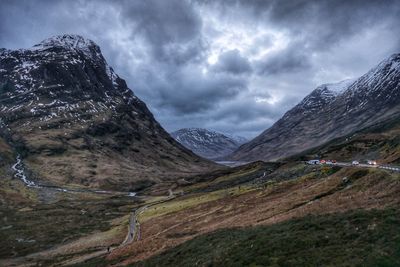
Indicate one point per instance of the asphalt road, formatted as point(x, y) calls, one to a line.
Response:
point(362, 165)
point(134, 223)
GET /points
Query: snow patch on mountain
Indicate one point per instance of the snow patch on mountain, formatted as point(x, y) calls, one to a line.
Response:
point(328, 112)
point(207, 143)
point(238, 139)
point(386, 72)
point(69, 41)
point(340, 87)
point(24, 72)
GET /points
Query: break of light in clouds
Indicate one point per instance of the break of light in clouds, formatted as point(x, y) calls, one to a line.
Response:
point(232, 66)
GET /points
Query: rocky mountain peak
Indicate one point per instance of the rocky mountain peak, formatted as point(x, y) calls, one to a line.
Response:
point(330, 111)
point(393, 58)
point(207, 143)
point(70, 42)
point(339, 87)
point(65, 107)
point(380, 86)
point(55, 75)
point(319, 98)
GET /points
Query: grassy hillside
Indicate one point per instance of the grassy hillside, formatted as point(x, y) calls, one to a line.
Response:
point(57, 223)
point(381, 142)
point(47, 226)
point(261, 214)
point(280, 219)
point(356, 238)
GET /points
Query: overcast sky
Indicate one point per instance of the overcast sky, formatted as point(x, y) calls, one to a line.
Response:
point(231, 66)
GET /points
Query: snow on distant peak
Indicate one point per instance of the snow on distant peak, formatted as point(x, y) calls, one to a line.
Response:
point(387, 70)
point(238, 139)
point(201, 133)
point(66, 40)
point(322, 95)
point(206, 143)
point(70, 42)
point(393, 61)
point(340, 87)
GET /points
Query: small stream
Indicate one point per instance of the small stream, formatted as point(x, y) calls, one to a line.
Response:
point(19, 170)
point(18, 167)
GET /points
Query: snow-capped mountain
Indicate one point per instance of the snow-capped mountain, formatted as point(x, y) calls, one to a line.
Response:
point(48, 79)
point(238, 139)
point(74, 120)
point(322, 96)
point(206, 143)
point(330, 111)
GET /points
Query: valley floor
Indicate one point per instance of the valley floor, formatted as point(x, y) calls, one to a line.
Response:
point(261, 214)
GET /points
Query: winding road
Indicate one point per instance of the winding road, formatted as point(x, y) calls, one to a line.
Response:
point(134, 226)
point(134, 223)
point(385, 167)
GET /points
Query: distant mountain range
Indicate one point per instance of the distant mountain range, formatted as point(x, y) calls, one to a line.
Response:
point(331, 111)
point(206, 143)
point(74, 120)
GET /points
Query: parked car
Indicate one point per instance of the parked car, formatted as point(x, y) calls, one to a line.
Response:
point(313, 162)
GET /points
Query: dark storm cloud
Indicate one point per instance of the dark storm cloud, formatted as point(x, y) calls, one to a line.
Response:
point(329, 19)
point(323, 23)
point(314, 25)
point(232, 62)
point(293, 58)
point(171, 28)
point(234, 66)
point(187, 92)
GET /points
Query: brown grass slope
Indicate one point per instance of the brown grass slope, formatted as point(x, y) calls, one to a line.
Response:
point(379, 142)
point(316, 192)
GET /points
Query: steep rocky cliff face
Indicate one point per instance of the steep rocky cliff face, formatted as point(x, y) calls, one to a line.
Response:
point(330, 111)
point(74, 120)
